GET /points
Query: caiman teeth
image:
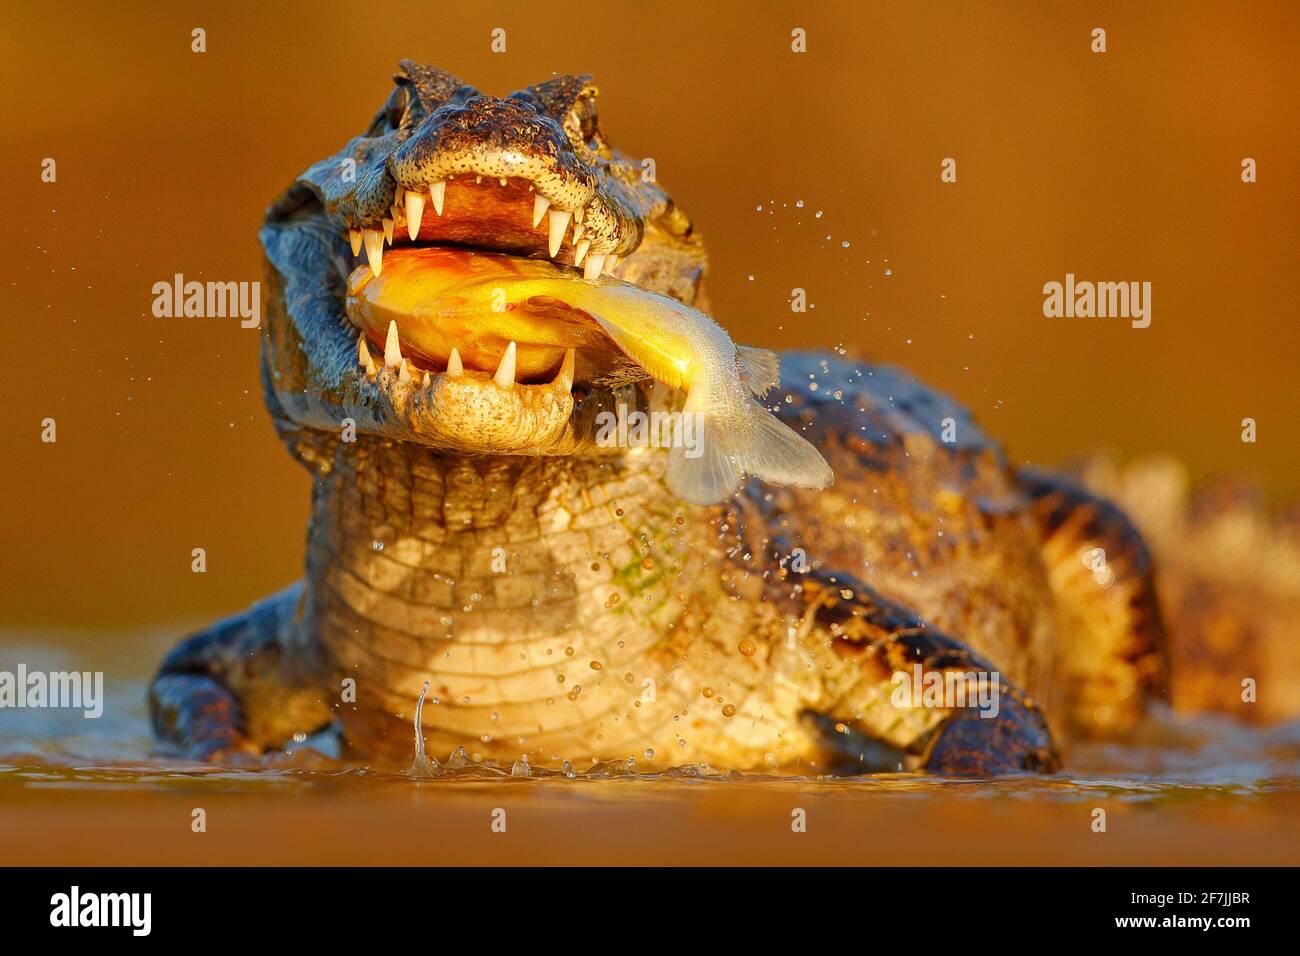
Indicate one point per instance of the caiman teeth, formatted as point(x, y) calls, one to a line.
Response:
point(363, 356)
point(454, 366)
point(374, 242)
point(559, 223)
point(404, 372)
point(424, 383)
point(564, 378)
point(505, 376)
point(392, 347)
point(410, 203)
point(414, 212)
point(540, 205)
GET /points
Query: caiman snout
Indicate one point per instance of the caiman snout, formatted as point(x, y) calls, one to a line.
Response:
point(534, 172)
point(492, 137)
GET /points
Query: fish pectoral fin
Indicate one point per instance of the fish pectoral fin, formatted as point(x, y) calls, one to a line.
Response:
point(760, 369)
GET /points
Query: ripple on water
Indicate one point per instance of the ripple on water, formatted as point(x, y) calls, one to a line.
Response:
point(1173, 758)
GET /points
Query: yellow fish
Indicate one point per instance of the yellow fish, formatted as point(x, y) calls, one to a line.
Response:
point(478, 303)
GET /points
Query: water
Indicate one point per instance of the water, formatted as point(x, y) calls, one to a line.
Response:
point(1185, 790)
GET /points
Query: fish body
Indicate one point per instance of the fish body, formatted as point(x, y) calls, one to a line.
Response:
point(478, 303)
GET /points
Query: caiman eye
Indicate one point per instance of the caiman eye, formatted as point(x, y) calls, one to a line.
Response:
point(582, 127)
point(398, 103)
point(584, 119)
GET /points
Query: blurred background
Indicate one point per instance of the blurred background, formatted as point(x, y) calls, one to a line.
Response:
point(818, 170)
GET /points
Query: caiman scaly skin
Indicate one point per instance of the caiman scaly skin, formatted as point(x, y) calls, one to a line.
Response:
point(555, 596)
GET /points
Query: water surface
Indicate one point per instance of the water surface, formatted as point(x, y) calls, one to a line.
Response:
point(1186, 790)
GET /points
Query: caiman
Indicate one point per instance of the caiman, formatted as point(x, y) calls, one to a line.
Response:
point(474, 544)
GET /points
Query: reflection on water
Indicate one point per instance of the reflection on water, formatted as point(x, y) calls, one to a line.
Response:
point(1172, 754)
point(1185, 789)
point(1194, 791)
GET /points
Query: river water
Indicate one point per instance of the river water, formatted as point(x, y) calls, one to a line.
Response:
point(1196, 789)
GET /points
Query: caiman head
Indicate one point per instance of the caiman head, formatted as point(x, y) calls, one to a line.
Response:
point(447, 190)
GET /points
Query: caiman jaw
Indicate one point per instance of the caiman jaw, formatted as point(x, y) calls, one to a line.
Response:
point(477, 400)
point(492, 394)
point(465, 409)
point(474, 401)
point(504, 213)
point(467, 366)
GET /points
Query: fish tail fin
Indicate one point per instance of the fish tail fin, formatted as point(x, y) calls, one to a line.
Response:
point(780, 455)
point(714, 469)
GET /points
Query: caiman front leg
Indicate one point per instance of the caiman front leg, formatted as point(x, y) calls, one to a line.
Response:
point(868, 645)
point(232, 689)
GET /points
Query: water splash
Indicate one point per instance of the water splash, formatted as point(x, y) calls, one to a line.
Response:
point(423, 765)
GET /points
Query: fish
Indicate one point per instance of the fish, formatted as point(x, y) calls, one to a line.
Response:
point(479, 302)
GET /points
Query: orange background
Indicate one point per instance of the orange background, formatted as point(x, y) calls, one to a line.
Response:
point(1122, 166)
